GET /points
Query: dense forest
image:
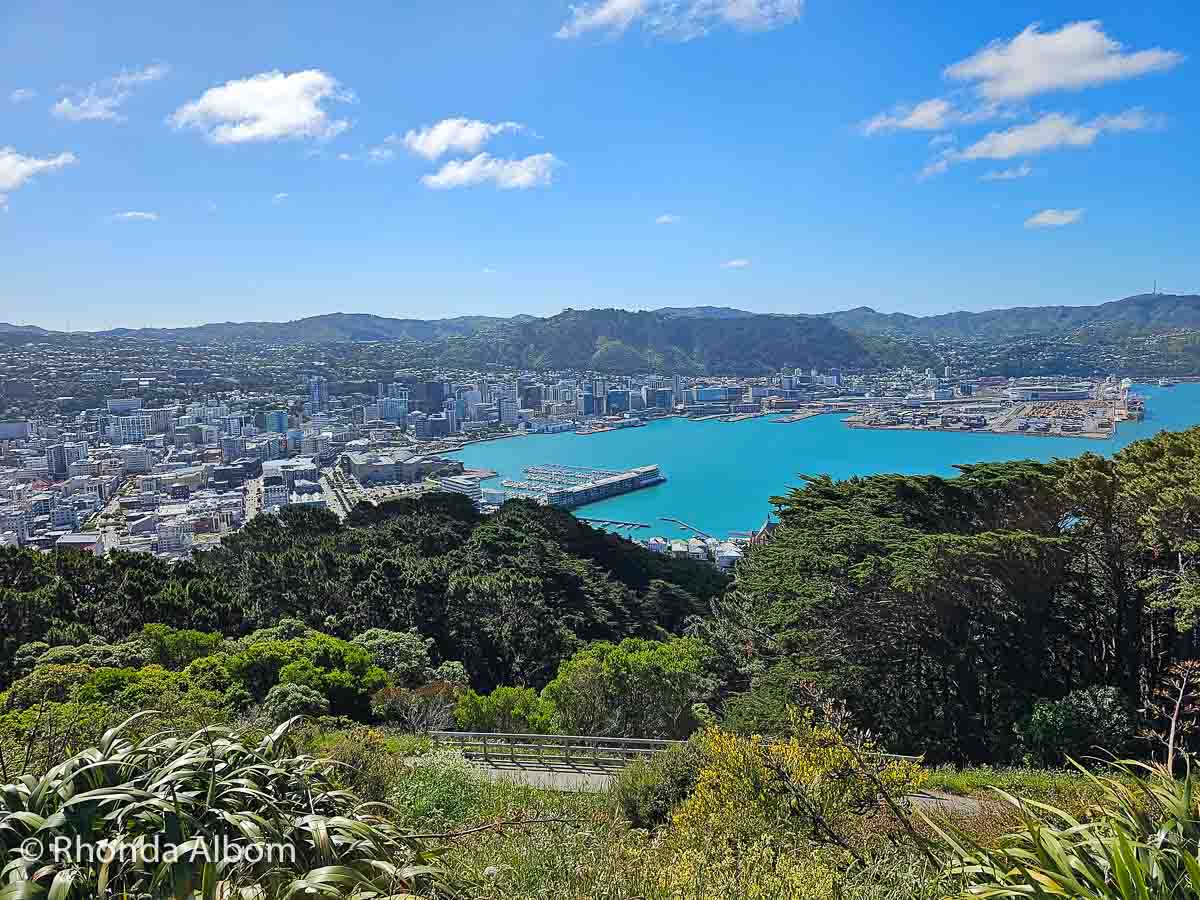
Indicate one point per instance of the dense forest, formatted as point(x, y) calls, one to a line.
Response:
point(947, 610)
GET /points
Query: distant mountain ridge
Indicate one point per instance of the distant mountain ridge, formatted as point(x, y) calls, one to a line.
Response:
point(1140, 313)
point(1143, 313)
point(326, 328)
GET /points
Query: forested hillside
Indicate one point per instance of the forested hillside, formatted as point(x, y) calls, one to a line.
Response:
point(947, 610)
point(1140, 314)
point(614, 340)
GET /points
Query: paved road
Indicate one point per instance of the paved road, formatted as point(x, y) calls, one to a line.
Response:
point(588, 778)
point(553, 778)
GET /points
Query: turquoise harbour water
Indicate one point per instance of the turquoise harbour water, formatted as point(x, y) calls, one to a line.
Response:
point(721, 475)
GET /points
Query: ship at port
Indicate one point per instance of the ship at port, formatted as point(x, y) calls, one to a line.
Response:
point(569, 487)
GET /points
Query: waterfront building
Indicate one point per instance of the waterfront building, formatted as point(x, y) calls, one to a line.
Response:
point(461, 484)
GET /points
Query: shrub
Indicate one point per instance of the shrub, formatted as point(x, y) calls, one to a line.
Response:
point(507, 710)
point(367, 762)
point(647, 791)
point(402, 654)
point(1075, 726)
point(284, 701)
point(775, 817)
point(440, 789)
point(26, 657)
point(175, 648)
point(128, 655)
point(53, 683)
point(426, 708)
point(636, 688)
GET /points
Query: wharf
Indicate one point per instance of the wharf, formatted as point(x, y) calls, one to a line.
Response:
point(572, 486)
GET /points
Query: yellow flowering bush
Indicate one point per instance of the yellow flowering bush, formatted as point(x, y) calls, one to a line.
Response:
point(778, 818)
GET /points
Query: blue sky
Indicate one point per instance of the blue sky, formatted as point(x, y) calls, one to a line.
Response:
point(166, 164)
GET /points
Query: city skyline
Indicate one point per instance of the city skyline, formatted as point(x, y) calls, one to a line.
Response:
point(770, 156)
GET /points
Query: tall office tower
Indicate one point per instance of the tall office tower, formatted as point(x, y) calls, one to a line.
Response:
point(600, 393)
point(318, 392)
point(56, 460)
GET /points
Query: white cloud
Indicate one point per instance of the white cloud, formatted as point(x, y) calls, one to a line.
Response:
point(1054, 218)
point(103, 100)
point(456, 134)
point(667, 219)
point(1052, 131)
point(1077, 56)
point(679, 19)
point(736, 264)
point(929, 115)
point(940, 140)
point(136, 216)
point(488, 270)
point(16, 169)
point(506, 174)
point(1021, 171)
point(345, 157)
point(381, 154)
point(266, 107)
point(280, 197)
point(20, 95)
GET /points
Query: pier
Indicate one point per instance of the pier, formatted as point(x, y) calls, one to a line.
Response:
point(685, 526)
point(572, 486)
point(614, 523)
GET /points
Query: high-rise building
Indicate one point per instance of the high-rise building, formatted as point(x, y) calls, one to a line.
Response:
point(450, 408)
point(393, 409)
point(318, 392)
point(508, 411)
point(677, 390)
point(275, 421)
point(130, 429)
point(56, 461)
point(600, 396)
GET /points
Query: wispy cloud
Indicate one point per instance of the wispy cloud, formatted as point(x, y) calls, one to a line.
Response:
point(1077, 56)
point(668, 219)
point(16, 169)
point(1054, 218)
point(20, 95)
point(280, 197)
point(452, 135)
point(1052, 131)
point(679, 19)
point(929, 115)
point(505, 174)
point(270, 106)
point(103, 100)
point(736, 264)
point(1021, 171)
point(134, 215)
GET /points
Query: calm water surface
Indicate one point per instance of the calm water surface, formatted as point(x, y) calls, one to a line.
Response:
point(721, 476)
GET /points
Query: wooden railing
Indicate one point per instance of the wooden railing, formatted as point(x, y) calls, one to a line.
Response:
point(548, 751)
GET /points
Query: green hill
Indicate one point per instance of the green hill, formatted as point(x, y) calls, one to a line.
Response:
point(620, 341)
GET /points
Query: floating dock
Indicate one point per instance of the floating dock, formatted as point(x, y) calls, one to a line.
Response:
point(572, 486)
